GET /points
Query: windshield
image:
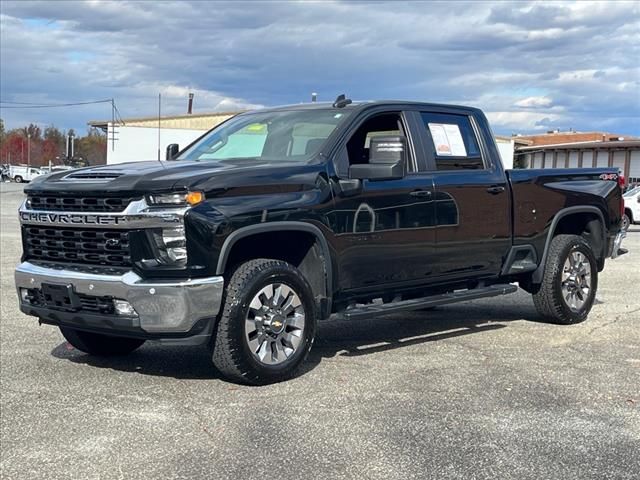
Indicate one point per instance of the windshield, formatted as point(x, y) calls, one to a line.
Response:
point(632, 192)
point(290, 135)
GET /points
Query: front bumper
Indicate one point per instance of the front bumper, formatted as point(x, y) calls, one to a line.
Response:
point(175, 308)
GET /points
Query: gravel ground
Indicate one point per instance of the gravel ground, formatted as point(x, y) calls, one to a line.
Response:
point(469, 391)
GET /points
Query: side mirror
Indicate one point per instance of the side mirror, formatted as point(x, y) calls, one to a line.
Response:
point(172, 151)
point(387, 160)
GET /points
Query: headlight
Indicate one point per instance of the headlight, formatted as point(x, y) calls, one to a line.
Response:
point(182, 199)
point(171, 245)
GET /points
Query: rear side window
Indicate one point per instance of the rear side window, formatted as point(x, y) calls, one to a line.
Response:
point(453, 141)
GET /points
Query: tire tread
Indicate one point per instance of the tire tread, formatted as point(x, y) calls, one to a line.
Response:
point(228, 356)
point(546, 299)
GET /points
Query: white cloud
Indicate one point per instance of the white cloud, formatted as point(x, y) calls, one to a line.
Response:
point(534, 102)
point(573, 64)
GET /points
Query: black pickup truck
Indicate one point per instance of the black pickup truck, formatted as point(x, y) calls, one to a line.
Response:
point(282, 217)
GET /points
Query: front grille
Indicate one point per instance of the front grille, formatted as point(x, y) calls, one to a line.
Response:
point(104, 247)
point(88, 303)
point(78, 204)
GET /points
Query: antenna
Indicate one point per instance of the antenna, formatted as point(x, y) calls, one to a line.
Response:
point(341, 101)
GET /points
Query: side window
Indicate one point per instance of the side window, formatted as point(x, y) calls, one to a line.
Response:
point(357, 148)
point(453, 141)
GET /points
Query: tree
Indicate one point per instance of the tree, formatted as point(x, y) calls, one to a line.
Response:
point(50, 150)
point(15, 145)
point(14, 148)
point(93, 147)
point(34, 131)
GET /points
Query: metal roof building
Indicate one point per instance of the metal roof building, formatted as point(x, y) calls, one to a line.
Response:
point(621, 154)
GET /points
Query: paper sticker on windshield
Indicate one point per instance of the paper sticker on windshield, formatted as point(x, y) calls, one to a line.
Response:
point(447, 139)
point(256, 127)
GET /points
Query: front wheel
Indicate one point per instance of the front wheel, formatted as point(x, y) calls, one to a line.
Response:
point(267, 325)
point(98, 344)
point(570, 281)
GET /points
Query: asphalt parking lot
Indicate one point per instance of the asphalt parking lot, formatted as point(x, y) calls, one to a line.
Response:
point(470, 391)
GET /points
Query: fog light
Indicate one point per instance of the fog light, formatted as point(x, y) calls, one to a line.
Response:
point(123, 307)
point(24, 295)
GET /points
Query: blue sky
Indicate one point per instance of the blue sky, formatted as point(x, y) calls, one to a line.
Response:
point(530, 66)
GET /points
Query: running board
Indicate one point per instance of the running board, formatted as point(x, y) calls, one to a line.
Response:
point(375, 310)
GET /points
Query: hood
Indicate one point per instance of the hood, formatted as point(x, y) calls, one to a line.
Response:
point(154, 177)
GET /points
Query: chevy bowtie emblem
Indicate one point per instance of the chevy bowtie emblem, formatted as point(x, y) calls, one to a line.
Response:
point(112, 242)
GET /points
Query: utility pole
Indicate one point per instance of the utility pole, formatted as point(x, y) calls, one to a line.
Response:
point(28, 149)
point(159, 121)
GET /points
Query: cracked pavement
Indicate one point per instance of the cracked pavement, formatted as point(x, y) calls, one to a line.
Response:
point(478, 390)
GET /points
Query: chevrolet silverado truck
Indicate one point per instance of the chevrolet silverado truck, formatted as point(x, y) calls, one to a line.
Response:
point(282, 217)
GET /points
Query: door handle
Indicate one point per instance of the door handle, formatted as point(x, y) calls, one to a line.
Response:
point(420, 193)
point(494, 190)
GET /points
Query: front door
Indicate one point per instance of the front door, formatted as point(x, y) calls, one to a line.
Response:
point(384, 230)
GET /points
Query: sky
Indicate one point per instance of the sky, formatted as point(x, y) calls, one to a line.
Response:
point(530, 66)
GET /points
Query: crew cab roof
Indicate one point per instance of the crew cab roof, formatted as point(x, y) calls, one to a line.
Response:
point(361, 105)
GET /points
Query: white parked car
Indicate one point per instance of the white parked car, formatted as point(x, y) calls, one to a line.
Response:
point(631, 207)
point(21, 173)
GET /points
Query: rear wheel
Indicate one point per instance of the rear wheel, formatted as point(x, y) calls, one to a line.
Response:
point(98, 344)
point(570, 281)
point(626, 221)
point(267, 325)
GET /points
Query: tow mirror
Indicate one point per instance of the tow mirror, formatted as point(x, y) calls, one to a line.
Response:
point(172, 151)
point(387, 160)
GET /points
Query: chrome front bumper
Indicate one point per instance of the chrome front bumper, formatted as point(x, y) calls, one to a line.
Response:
point(160, 306)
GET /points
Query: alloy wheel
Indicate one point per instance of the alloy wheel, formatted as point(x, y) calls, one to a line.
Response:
point(576, 280)
point(274, 324)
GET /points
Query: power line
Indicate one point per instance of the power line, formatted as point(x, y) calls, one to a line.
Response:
point(48, 105)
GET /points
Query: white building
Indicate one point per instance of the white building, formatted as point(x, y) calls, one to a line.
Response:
point(138, 139)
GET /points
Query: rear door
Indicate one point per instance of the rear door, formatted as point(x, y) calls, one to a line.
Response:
point(473, 219)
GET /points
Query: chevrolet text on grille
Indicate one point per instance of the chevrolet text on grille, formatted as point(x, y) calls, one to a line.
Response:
point(71, 218)
point(137, 214)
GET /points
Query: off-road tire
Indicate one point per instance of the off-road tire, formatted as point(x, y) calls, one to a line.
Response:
point(231, 354)
point(98, 344)
point(549, 299)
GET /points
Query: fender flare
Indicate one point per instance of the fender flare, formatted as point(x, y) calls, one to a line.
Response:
point(538, 273)
point(279, 227)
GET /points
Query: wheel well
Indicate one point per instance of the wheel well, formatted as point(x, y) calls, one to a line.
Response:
point(299, 248)
point(587, 225)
